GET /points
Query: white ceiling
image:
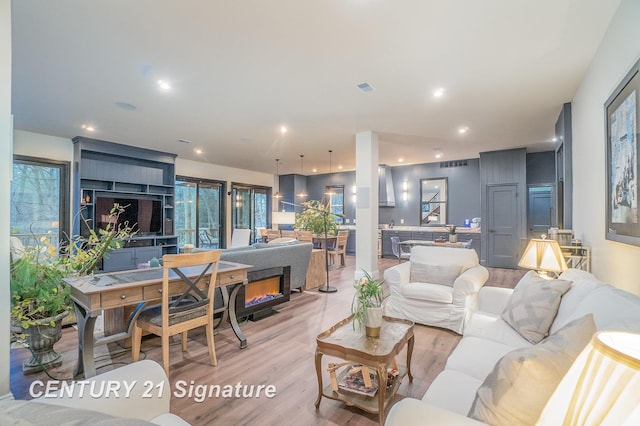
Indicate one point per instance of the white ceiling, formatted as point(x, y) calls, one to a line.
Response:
point(241, 69)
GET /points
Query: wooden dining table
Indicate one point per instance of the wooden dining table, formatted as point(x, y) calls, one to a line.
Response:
point(321, 242)
point(92, 294)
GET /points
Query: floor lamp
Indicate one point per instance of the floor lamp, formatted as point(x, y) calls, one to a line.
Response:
point(327, 288)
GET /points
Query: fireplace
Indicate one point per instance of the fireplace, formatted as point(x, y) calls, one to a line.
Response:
point(266, 288)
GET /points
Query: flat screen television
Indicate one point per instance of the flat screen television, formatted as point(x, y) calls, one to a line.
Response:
point(144, 215)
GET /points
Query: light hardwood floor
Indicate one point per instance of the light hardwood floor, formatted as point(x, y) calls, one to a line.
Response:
point(280, 352)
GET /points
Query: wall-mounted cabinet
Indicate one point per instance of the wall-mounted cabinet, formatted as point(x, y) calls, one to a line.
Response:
point(142, 180)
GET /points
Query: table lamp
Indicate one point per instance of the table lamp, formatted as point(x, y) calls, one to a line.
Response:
point(602, 387)
point(544, 256)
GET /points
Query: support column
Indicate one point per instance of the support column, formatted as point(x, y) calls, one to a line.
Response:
point(366, 204)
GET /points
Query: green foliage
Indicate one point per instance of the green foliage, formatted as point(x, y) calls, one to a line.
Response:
point(37, 290)
point(452, 229)
point(313, 218)
point(80, 255)
point(369, 294)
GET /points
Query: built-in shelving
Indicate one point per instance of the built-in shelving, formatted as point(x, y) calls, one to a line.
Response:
point(111, 170)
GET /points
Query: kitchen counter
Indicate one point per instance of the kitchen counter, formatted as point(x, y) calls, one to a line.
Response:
point(459, 229)
point(404, 232)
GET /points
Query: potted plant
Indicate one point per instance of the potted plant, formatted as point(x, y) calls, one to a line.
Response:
point(453, 237)
point(39, 302)
point(39, 298)
point(366, 306)
point(314, 216)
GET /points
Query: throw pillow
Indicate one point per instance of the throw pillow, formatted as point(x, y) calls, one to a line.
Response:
point(434, 274)
point(534, 305)
point(521, 383)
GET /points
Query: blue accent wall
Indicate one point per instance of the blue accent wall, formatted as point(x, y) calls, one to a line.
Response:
point(463, 184)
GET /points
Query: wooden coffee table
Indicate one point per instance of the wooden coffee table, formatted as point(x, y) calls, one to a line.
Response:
point(342, 341)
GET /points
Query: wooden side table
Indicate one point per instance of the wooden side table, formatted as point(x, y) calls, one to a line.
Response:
point(316, 273)
point(342, 341)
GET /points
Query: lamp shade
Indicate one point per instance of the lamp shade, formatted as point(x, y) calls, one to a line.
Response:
point(543, 255)
point(283, 218)
point(602, 387)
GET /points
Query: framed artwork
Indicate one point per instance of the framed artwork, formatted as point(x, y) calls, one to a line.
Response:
point(622, 112)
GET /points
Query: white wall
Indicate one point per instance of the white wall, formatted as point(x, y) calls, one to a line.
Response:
point(42, 146)
point(5, 168)
point(612, 262)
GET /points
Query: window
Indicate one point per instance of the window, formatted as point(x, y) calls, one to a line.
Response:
point(199, 212)
point(39, 200)
point(335, 195)
point(433, 202)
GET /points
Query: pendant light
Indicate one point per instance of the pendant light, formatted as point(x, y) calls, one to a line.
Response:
point(303, 193)
point(277, 194)
point(329, 188)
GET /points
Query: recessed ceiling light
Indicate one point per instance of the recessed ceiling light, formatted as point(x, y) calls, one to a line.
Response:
point(164, 85)
point(88, 127)
point(197, 151)
point(340, 167)
point(438, 93)
point(283, 129)
point(554, 139)
point(400, 160)
point(438, 155)
point(462, 130)
point(315, 170)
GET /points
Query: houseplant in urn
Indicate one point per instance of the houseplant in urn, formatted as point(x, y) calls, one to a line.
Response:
point(366, 306)
point(40, 300)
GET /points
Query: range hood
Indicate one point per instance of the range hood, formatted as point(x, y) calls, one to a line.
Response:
point(386, 197)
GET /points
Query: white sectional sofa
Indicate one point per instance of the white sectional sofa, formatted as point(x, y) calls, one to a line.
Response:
point(487, 338)
point(147, 402)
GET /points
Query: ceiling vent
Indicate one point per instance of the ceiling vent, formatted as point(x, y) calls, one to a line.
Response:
point(365, 87)
point(456, 163)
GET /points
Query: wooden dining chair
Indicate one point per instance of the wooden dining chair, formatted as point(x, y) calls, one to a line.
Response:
point(304, 236)
point(272, 234)
point(288, 233)
point(192, 278)
point(340, 248)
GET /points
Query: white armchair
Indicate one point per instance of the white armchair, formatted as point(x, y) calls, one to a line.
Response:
point(439, 286)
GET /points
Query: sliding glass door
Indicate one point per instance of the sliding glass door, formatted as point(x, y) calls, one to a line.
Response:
point(250, 208)
point(39, 200)
point(209, 214)
point(199, 212)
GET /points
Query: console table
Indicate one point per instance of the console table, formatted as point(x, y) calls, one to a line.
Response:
point(92, 294)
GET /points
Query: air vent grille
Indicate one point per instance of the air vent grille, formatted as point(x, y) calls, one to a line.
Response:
point(455, 163)
point(365, 86)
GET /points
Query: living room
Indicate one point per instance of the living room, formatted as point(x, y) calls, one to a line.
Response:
point(611, 55)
